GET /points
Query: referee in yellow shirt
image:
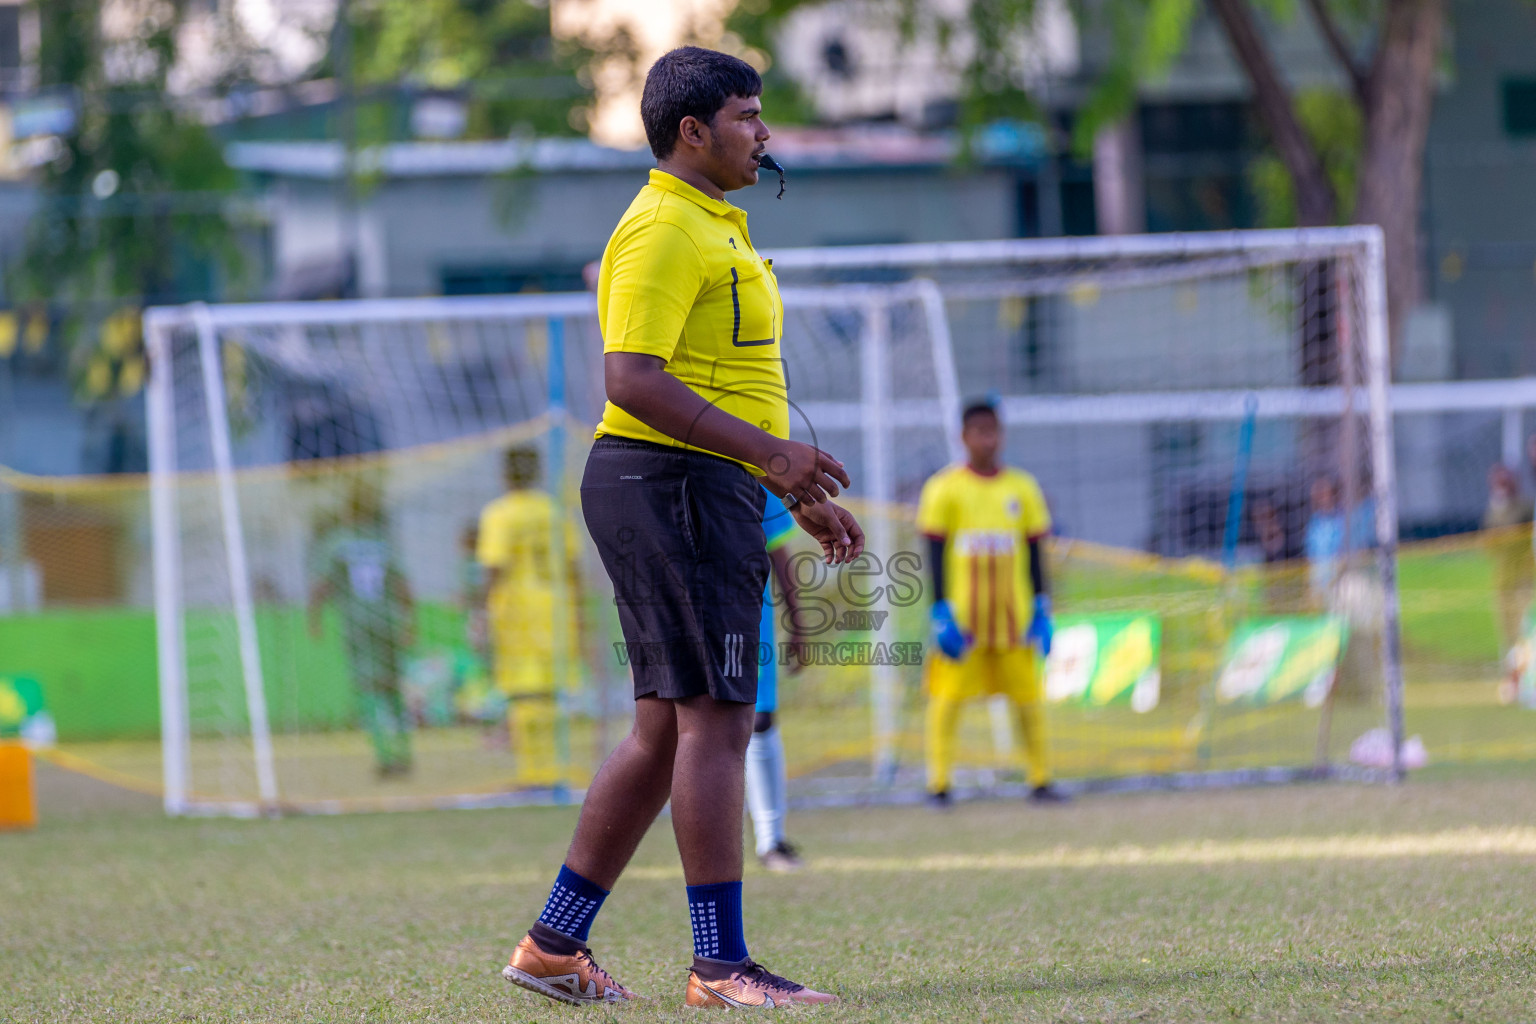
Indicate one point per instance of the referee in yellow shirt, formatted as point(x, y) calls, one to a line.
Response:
point(697, 414)
point(991, 611)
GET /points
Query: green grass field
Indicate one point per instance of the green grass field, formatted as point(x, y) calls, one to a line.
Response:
point(1314, 903)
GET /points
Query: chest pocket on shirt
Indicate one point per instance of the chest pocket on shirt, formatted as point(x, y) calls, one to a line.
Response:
point(753, 305)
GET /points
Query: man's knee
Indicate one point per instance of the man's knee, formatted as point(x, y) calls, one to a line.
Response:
point(762, 721)
point(715, 722)
point(655, 726)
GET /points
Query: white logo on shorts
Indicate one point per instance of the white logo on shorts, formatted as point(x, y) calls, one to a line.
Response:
point(735, 643)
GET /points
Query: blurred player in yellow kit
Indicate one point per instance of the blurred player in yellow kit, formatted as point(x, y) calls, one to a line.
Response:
point(514, 539)
point(991, 609)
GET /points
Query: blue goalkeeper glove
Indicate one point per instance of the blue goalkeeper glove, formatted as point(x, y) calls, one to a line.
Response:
point(946, 631)
point(1041, 628)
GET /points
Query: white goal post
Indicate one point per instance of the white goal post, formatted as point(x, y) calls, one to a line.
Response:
point(265, 419)
point(1131, 261)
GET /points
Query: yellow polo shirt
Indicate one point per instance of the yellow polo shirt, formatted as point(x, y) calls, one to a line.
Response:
point(680, 280)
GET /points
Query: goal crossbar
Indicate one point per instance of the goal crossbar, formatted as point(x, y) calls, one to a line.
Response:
point(1211, 406)
point(1272, 244)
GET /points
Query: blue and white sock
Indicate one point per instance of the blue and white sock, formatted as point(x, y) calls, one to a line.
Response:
point(716, 914)
point(573, 903)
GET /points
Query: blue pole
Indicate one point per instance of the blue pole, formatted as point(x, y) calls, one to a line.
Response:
point(557, 370)
point(1239, 484)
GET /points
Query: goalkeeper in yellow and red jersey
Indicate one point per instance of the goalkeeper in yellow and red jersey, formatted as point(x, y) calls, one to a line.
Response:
point(991, 615)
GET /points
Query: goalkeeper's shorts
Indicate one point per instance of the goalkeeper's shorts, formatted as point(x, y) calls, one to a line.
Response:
point(983, 672)
point(681, 535)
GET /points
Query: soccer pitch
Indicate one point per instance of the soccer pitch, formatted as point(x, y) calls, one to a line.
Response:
point(1305, 903)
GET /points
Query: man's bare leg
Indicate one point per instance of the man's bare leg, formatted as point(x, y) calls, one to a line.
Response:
point(708, 789)
point(629, 791)
point(708, 785)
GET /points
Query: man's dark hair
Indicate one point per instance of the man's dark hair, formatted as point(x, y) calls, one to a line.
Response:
point(691, 81)
point(984, 407)
point(521, 466)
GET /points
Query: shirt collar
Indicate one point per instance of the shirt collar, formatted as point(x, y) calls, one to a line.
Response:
point(677, 186)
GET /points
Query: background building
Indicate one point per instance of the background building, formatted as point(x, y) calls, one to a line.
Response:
point(433, 213)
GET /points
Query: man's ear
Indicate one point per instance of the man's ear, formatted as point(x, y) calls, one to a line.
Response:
point(690, 131)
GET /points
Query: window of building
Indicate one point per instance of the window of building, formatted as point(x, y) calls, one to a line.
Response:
point(1077, 210)
point(1079, 215)
point(1195, 159)
point(1028, 218)
point(509, 280)
point(1520, 107)
point(10, 41)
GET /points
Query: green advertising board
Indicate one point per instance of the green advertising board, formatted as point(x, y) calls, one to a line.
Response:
point(1103, 660)
point(1273, 660)
point(22, 714)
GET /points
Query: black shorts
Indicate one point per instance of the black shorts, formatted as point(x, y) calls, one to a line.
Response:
point(681, 535)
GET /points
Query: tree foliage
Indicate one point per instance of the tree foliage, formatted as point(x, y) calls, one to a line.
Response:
point(136, 204)
point(1332, 154)
point(132, 206)
point(984, 41)
point(501, 54)
point(1332, 120)
point(986, 45)
point(135, 187)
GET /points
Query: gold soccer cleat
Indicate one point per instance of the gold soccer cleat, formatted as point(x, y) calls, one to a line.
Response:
point(750, 987)
point(574, 979)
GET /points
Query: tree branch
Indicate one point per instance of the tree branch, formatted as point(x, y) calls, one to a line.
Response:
point(1316, 204)
point(1340, 47)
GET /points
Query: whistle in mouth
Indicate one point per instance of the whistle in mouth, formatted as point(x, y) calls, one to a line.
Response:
point(769, 163)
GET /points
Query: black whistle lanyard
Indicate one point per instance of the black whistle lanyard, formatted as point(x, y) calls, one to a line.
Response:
point(773, 165)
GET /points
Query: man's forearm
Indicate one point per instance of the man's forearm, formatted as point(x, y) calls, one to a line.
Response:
point(661, 401)
point(779, 559)
point(936, 557)
point(1037, 578)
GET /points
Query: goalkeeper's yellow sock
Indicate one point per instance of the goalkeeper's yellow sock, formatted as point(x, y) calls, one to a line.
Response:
point(532, 722)
point(939, 741)
point(1030, 719)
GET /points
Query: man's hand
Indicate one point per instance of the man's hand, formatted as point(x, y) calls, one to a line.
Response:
point(946, 631)
point(839, 534)
point(807, 472)
point(1041, 628)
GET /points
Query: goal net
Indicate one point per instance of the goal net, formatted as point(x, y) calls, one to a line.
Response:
point(1207, 416)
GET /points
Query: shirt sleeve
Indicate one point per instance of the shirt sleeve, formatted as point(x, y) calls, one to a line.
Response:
point(1037, 516)
point(656, 275)
point(935, 509)
point(491, 548)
